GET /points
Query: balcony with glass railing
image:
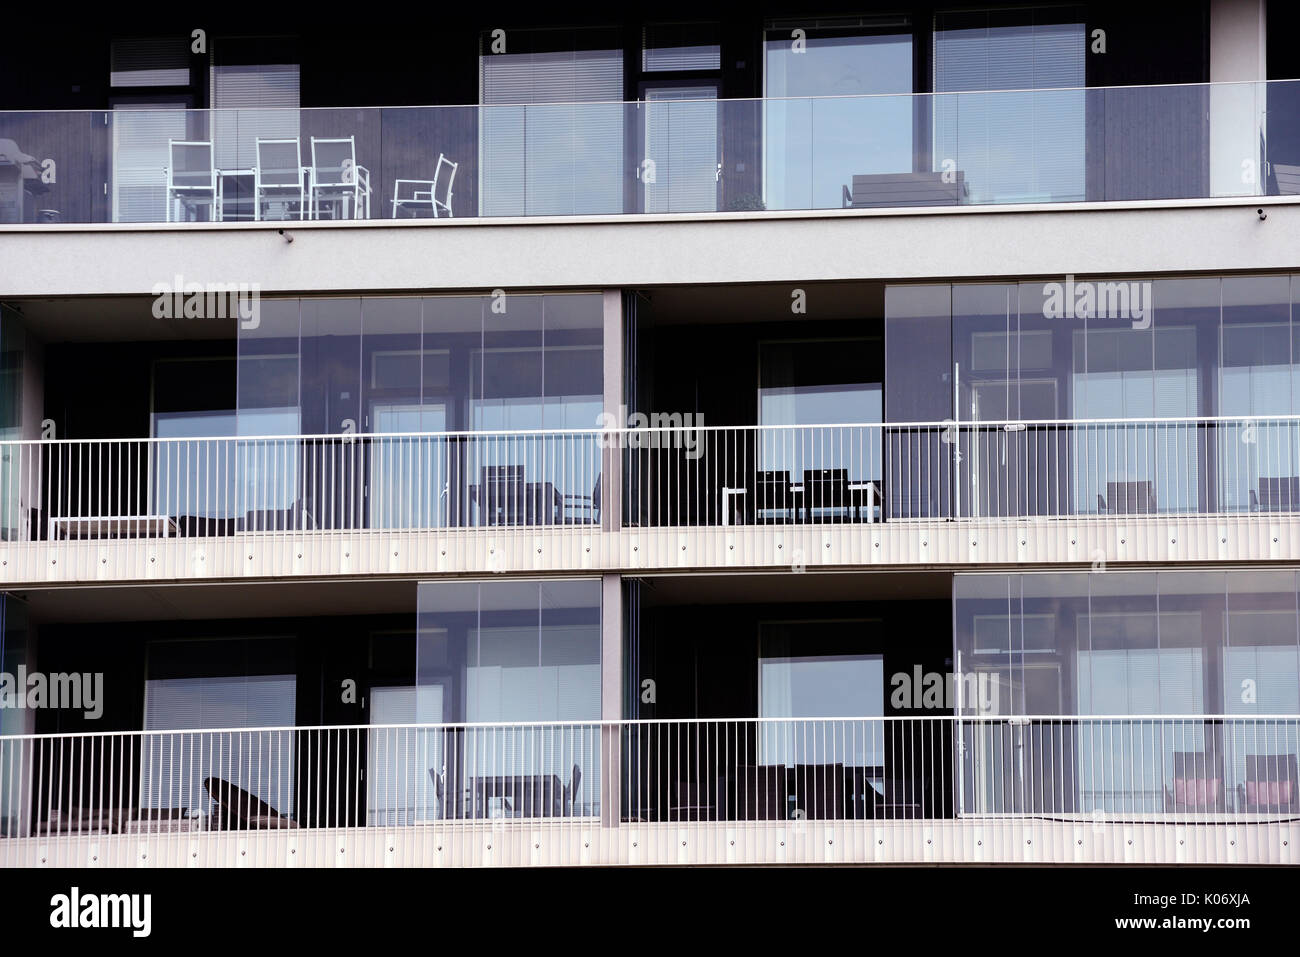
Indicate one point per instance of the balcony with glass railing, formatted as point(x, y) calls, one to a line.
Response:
point(1136, 143)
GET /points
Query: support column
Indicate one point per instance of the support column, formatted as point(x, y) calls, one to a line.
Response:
point(611, 699)
point(1238, 35)
point(611, 484)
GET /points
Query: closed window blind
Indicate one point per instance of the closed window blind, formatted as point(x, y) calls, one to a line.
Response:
point(266, 98)
point(552, 133)
point(680, 47)
point(151, 61)
point(682, 139)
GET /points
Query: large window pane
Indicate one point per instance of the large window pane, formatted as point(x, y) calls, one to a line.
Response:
point(521, 659)
point(552, 128)
point(1011, 146)
point(220, 683)
point(814, 147)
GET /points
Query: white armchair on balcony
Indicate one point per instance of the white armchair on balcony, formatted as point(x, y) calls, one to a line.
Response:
point(418, 194)
point(338, 183)
point(191, 179)
point(279, 178)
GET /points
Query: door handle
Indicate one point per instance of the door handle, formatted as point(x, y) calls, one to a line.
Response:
point(717, 176)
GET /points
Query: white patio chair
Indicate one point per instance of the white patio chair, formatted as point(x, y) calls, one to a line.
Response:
point(338, 179)
point(191, 177)
point(278, 177)
point(423, 193)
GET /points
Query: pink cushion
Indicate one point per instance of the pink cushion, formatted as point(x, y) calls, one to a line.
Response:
point(1196, 792)
point(1271, 793)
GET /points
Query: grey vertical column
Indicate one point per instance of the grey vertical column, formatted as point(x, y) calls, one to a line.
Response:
point(611, 699)
point(611, 605)
point(611, 485)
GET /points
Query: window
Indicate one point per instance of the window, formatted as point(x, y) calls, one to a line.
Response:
point(149, 61)
point(552, 125)
point(218, 683)
point(255, 95)
point(812, 670)
point(670, 47)
point(1011, 146)
point(520, 655)
point(821, 382)
point(828, 116)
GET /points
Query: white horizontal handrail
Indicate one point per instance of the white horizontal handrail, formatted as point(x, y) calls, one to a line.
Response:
point(938, 426)
point(634, 722)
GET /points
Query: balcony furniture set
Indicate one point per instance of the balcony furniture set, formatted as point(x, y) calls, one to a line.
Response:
point(1271, 785)
point(505, 497)
point(1128, 498)
point(779, 792)
point(332, 186)
point(511, 795)
point(1276, 494)
point(781, 500)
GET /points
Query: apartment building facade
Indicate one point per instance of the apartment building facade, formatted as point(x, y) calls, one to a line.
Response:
point(869, 437)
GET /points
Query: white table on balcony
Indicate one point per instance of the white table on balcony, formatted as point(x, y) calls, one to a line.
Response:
point(111, 526)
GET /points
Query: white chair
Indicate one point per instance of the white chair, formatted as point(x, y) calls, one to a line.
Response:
point(423, 193)
point(338, 179)
point(278, 177)
point(191, 177)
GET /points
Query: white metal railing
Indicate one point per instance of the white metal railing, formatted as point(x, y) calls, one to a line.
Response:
point(689, 476)
point(440, 788)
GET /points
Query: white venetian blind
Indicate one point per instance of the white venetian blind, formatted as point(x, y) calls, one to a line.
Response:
point(252, 101)
point(1011, 146)
point(141, 132)
point(552, 133)
point(682, 140)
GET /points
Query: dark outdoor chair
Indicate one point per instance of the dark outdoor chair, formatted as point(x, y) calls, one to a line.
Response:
point(237, 810)
point(772, 494)
point(501, 494)
point(826, 489)
point(1271, 784)
point(894, 798)
point(692, 802)
point(571, 790)
point(1128, 498)
point(1198, 783)
point(762, 793)
point(583, 509)
point(1277, 494)
point(819, 791)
